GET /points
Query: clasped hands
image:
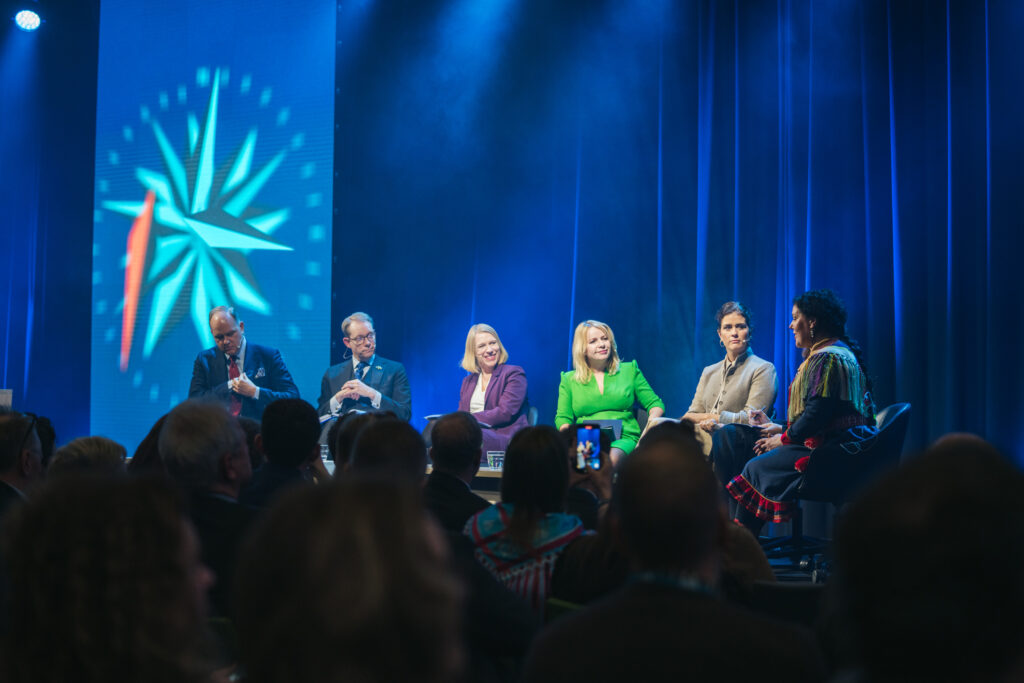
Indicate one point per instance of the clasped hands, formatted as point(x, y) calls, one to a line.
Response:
point(243, 385)
point(354, 388)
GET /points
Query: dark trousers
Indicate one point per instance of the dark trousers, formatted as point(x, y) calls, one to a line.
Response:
point(732, 447)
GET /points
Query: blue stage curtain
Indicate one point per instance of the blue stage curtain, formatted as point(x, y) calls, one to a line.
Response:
point(47, 128)
point(641, 163)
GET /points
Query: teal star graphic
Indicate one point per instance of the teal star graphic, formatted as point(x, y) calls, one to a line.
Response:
point(204, 226)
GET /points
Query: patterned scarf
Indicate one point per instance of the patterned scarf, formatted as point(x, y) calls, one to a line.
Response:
point(831, 371)
point(526, 571)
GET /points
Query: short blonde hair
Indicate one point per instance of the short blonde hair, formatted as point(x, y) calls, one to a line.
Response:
point(356, 317)
point(579, 351)
point(469, 363)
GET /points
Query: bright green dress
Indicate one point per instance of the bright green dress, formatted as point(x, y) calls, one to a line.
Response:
point(580, 402)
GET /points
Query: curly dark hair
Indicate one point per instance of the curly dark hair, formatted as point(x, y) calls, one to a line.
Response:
point(829, 314)
point(100, 567)
point(733, 307)
point(348, 582)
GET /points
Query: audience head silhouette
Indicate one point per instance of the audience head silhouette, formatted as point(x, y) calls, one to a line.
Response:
point(390, 448)
point(290, 432)
point(88, 454)
point(203, 448)
point(535, 478)
point(456, 441)
point(929, 568)
point(667, 506)
point(348, 582)
point(108, 584)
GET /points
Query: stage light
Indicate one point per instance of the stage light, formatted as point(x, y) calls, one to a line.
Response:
point(27, 20)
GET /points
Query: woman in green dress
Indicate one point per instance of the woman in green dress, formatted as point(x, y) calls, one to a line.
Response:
point(603, 388)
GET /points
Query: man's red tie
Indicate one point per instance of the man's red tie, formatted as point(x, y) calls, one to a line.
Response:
point(236, 401)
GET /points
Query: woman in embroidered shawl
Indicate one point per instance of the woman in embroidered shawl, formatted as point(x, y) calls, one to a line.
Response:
point(519, 539)
point(829, 407)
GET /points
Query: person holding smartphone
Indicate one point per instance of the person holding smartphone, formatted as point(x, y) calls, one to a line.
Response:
point(601, 387)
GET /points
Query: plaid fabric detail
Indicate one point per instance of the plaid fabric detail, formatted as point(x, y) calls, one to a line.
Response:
point(761, 507)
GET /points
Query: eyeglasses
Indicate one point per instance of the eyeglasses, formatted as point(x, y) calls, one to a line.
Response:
point(363, 338)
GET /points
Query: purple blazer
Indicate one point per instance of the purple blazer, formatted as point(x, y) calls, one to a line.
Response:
point(505, 404)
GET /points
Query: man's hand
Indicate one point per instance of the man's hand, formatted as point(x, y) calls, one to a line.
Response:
point(354, 388)
point(243, 385)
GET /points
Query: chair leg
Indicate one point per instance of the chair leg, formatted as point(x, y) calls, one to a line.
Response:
point(796, 547)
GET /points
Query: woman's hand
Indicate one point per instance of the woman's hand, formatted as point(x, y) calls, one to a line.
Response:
point(772, 429)
point(767, 444)
point(697, 418)
point(757, 418)
point(564, 428)
point(709, 425)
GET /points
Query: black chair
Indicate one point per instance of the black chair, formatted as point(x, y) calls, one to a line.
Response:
point(835, 478)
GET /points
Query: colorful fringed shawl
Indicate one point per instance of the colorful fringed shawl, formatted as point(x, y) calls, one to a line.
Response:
point(526, 571)
point(831, 371)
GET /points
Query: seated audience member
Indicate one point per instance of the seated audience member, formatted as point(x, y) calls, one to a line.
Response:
point(289, 436)
point(929, 567)
point(146, 459)
point(348, 428)
point(390, 448)
point(88, 454)
point(667, 623)
point(107, 585)
point(519, 539)
point(348, 582)
point(455, 452)
point(589, 490)
point(21, 458)
point(251, 428)
point(594, 566)
point(494, 392)
point(203, 448)
point(367, 382)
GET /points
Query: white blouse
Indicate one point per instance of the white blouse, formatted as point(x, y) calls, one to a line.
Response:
point(476, 401)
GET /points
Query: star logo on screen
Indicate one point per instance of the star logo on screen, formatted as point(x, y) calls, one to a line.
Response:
point(193, 231)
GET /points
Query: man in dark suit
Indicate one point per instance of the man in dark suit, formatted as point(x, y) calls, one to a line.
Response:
point(245, 377)
point(366, 382)
point(204, 450)
point(455, 451)
point(667, 623)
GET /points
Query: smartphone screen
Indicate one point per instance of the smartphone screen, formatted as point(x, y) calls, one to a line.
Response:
point(588, 448)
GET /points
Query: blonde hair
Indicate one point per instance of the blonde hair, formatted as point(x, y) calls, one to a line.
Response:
point(469, 363)
point(579, 351)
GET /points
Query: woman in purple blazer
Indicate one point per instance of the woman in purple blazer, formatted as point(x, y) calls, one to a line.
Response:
point(495, 393)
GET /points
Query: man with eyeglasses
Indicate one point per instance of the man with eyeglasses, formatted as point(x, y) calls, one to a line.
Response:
point(244, 377)
point(365, 382)
point(21, 458)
